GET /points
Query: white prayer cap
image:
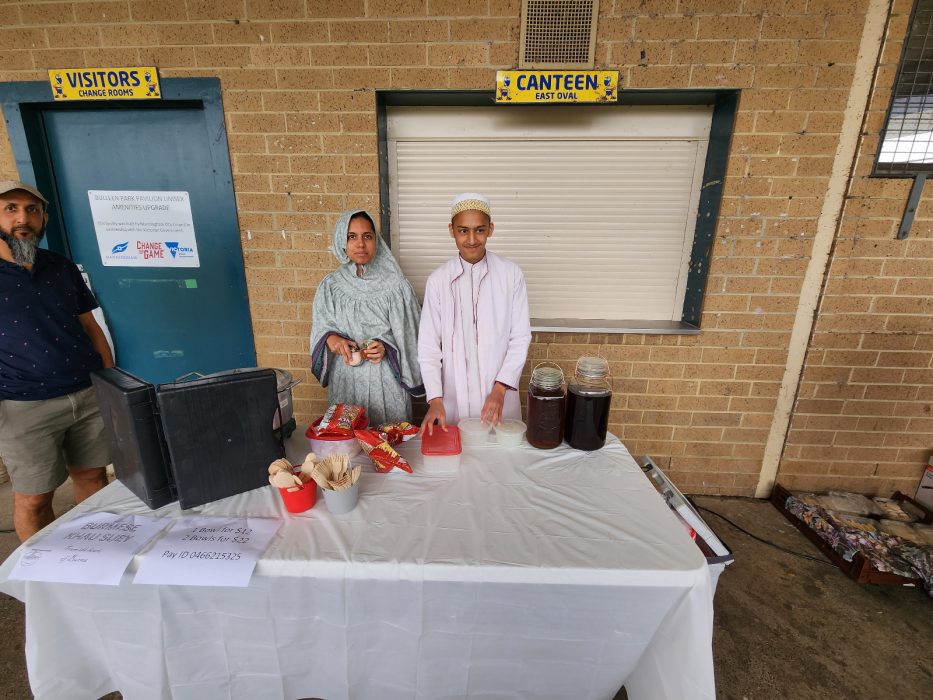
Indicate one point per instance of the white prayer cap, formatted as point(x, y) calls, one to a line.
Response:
point(470, 201)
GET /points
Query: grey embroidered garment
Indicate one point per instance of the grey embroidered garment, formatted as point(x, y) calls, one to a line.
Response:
point(380, 305)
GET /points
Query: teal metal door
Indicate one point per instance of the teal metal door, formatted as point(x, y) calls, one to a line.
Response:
point(166, 320)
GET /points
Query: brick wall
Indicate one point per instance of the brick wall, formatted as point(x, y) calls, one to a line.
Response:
point(863, 418)
point(299, 79)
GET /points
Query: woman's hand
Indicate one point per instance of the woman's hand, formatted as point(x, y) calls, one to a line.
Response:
point(435, 412)
point(374, 352)
point(341, 346)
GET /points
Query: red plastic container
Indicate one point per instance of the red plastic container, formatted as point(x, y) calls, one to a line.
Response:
point(442, 449)
point(302, 499)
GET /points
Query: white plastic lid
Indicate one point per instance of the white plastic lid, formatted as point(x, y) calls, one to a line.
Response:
point(474, 426)
point(510, 427)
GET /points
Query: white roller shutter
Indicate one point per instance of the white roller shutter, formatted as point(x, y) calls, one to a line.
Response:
point(598, 206)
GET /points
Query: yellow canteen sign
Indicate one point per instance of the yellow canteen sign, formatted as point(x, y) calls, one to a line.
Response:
point(136, 83)
point(552, 86)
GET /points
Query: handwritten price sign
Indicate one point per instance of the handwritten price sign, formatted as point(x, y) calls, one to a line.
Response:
point(201, 551)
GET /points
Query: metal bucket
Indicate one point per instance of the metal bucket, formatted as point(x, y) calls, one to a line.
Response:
point(284, 384)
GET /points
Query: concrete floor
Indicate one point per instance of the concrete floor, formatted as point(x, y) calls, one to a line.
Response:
point(785, 627)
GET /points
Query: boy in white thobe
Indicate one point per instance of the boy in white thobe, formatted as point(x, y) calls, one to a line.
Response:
point(475, 331)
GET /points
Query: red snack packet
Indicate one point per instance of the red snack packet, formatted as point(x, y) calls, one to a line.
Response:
point(377, 446)
point(340, 419)
point(398, 432)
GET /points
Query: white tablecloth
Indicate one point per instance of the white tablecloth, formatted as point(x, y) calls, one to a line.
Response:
point(522, 574)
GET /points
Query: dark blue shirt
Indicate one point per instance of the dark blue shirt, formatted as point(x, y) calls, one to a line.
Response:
point(44, 351)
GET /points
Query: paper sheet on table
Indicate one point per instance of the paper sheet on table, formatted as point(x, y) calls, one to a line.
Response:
point(90, 548)
point(203, 551)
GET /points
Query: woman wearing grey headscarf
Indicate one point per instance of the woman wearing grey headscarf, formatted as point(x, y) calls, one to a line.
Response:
point(367, 298)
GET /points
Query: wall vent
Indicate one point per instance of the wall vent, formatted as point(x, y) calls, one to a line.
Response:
point(558, 34)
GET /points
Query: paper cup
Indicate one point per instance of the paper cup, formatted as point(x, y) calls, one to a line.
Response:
point(300, 500)
point(339, 502)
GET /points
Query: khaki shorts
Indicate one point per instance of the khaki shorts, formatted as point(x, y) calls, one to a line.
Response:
point(39, 438)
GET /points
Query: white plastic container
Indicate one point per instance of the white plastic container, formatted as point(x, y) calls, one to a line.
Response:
point(509, 433)
point(322, 448)
point(474, 432)
point(324, 445)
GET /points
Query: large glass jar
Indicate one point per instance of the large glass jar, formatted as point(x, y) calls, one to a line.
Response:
point(546, 401)
point(588, 398)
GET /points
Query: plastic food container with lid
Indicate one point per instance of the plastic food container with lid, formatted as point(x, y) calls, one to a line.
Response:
point(509, 433)
point(474, 432)
point(441, 450)
point(324, 445)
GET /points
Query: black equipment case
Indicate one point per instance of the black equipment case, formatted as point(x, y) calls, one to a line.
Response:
point(219, 433)
point(198, 441)
point(137, 447)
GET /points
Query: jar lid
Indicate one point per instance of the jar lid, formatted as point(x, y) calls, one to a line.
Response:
point(592, 367)
point(547, 377)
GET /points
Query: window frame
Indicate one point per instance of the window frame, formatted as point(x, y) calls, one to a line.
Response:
point(725, 106)
point(910, 170)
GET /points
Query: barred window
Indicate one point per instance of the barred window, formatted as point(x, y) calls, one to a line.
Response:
point(907, 137)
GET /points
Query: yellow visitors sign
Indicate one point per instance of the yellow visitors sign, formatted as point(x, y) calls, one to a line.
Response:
point(550, 86)
point(138, 83)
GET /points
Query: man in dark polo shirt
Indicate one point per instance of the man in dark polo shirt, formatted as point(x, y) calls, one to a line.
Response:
point(50, 424)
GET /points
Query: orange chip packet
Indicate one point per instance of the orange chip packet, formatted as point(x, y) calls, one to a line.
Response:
point(384, 458)
point(398, 432)
point(339, 420)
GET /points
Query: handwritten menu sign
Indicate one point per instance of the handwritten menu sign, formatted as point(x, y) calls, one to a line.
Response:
point(203, 551)
point(89, 548)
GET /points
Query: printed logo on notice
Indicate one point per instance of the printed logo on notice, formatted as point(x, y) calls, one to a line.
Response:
point(120, 252)
point(179, 251)
point(150, 249)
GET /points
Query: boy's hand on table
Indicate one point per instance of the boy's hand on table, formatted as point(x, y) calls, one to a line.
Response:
point(492, 409)
point(435, 412)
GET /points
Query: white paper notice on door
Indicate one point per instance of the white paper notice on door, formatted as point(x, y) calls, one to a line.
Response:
point(138, 228)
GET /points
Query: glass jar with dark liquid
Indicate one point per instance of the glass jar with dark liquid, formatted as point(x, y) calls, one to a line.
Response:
point(588, 399)
point(546, 402)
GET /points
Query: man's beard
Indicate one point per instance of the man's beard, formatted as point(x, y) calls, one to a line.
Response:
point(23, 249)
